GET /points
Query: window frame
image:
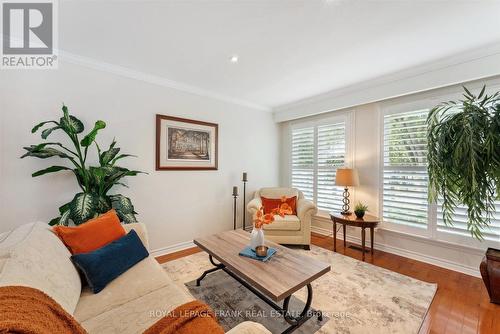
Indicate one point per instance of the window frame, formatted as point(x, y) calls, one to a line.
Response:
point(347, 118)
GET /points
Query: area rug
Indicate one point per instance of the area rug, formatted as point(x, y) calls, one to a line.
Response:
point(356, 297)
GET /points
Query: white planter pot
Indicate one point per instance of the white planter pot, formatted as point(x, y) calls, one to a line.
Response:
point(256, 238)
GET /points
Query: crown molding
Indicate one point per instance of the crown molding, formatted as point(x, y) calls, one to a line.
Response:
point(467, 66)
point(95, 64)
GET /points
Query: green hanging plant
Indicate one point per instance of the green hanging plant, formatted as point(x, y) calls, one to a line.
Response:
point(464, 157)
point(94, 181)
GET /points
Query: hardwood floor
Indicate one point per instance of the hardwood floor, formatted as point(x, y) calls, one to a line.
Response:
point(461, 304)
point(177, 255)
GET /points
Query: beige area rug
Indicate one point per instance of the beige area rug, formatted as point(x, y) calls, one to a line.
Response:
point(356, 297)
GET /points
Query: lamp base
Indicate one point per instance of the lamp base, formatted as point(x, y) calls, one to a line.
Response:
point(345, 208)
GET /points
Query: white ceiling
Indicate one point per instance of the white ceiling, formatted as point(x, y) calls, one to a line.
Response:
point(288, 49)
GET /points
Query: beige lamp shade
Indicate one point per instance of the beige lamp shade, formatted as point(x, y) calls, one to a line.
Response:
point(347, 177)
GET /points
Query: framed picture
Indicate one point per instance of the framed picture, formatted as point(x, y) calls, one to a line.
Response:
point(185, 144)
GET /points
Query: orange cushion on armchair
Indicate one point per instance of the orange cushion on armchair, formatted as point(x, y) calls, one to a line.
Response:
point(91, 235)
point(270, 204)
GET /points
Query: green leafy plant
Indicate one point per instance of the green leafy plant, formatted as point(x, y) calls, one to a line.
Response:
point(464, 157)
point(94, 181)
point(360, 210)
point(361, 207)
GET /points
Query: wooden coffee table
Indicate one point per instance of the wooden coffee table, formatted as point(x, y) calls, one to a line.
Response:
point(272, 281)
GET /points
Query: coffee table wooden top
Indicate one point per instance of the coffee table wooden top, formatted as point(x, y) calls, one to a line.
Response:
point(283, 274)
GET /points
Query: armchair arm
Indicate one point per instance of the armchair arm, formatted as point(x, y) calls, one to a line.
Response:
point(140, 228)
point(305, 208)
point(254, 205)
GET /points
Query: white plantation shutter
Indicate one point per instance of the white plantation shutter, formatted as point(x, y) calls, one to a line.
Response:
point(303, 161)
point(405, 179)
point(460, 223)
point(317, 151)
point(331, 155)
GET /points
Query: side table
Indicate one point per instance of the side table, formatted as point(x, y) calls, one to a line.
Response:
point(368, 221)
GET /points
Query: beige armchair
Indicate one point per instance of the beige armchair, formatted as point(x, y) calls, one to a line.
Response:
point(292, 229)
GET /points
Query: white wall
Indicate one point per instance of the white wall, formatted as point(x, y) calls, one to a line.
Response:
point(365, 134)
point(176, 206)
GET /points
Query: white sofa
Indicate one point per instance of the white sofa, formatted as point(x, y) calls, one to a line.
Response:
point(291, 229)
point(32, 255)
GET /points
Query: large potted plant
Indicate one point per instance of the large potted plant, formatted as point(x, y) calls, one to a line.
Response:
point(94, 181)
point(464, 167)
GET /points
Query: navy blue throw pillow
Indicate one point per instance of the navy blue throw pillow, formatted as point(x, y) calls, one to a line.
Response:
point(107, 263)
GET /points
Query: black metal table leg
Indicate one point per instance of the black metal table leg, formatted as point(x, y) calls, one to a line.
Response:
point(305, 315)
point(295, 322)
point(218, 266)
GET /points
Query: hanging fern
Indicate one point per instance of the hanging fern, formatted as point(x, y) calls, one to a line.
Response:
point(94, 181)
point(464, 157)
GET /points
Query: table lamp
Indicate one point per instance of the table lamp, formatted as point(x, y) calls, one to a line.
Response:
point(346, 177)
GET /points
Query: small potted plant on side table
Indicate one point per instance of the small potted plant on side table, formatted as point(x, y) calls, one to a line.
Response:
point(360, 210)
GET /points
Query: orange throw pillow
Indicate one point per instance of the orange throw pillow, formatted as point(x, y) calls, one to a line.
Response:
point(270, 204)
point(93, 234)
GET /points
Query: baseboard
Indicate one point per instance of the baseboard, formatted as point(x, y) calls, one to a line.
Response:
point(406, 253)
point(171, 249)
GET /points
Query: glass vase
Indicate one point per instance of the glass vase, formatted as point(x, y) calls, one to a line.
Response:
point(256, 238)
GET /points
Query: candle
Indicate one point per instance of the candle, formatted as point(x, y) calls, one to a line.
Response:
point(235, 191)
point(245, 178)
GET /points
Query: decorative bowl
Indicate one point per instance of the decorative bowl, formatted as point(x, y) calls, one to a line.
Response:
point(261, 251)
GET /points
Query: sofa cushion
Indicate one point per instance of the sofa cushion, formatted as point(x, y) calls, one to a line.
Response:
point(93, 234)
point(107, 263)
point(143, 278)
point(287, 223)
point(139, 314)
point(34, 256)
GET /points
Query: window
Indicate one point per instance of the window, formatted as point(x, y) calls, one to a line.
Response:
point(405, 183)
point(317, 151)
point(330, 156)
point(303, 161)
point(405, 178)
point(459, 227)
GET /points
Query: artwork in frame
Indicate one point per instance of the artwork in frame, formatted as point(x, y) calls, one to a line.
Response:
point(185, 144)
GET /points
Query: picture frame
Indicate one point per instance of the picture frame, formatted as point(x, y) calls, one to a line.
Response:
point(186, 144)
